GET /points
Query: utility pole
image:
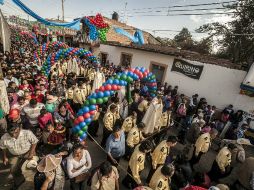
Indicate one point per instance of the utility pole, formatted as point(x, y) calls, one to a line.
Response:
point(63, 9)
point(63, 18)
point(125, 16)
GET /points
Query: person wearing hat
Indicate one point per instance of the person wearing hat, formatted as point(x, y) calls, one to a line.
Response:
point(160, 154)
point(115, 145)
point(15, 116)
point(161, 177)
point(20, 144)
point(106, 178)
point(134, 137)
point(50, 174)
point(137, 165)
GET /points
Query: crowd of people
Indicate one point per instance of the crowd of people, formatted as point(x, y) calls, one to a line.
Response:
point(36, 133)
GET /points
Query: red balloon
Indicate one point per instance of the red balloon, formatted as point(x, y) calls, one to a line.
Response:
point(118, 87)
point(80, 119)
point(76, 121)
point(92, 112)
point(102, 88)
point(97, 90)
point(86, 115)
point(109, 87)
point(114, 87)
point(140, 75)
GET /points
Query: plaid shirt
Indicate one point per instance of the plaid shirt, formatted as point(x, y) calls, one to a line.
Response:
point(18, 146)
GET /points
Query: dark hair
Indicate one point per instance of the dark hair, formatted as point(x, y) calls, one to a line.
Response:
point(141, 125)
point(167, 170)
point(116, 128)
point(43, 111)
point(112, 106)
point(232, 146)
point(172, 139)
point(105, 168)
point(33, 102)
point(61, 105)
point(199, 178)
point(76, 147)
point(21, 98)
point(145, 146)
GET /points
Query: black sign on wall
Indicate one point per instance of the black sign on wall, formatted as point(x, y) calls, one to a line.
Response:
point(188, 69)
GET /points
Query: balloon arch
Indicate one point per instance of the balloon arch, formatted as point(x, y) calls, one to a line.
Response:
point(101, 95)
point(41, 50)
point(64, 53)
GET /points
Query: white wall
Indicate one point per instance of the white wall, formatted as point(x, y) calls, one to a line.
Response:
point(219, 85)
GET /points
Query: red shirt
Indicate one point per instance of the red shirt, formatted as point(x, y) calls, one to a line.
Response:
point(39, 98)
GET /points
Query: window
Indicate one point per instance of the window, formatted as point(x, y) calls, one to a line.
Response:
point(159, 70)
point(126, 59)
point(104, 57)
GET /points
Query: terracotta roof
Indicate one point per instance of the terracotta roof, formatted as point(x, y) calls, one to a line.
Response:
point(114, 37)
point(190, 55)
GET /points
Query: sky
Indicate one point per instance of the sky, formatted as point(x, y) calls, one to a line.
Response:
point(138, 13)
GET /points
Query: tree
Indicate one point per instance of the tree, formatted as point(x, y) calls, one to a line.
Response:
point(184, 39)
point(235, 38)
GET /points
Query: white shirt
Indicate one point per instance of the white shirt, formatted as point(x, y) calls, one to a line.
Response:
point(13, 79)
point(32, 113)
point(18, 146)
point(83, 165)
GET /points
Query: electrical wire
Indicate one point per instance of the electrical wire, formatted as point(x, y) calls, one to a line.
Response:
point(184, 14)
point(189, 5)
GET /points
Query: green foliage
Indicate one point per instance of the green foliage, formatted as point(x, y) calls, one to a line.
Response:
point(235, 38)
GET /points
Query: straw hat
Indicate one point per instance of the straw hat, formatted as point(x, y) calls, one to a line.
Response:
point(49, 163)
point(243, 141)
point(29, 168)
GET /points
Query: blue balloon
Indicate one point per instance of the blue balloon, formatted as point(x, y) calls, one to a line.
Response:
point(130, 74)
point(121, 83)
point(82, 124)
point(84, 136)
point(85, 109)
point(112, 92)
point(92, 107)
point(116, 81)
point(77, 128)
point(106, 93)
point(88, 121)
point(93, 95)
point(110, 81)
point(142, 69)
point(100, 94)
point(80, 112)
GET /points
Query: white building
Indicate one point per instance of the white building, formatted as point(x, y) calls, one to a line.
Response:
point(219, 81)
